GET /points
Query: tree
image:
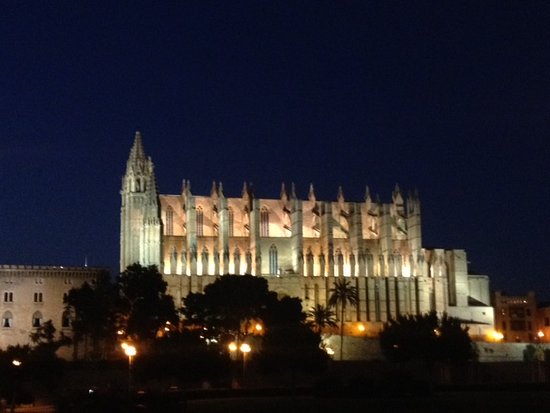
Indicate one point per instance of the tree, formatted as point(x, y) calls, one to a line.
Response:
point(93, 308)
point(292, 347)
point(144, 305)
point(229, 304)
point(342, 294)
point(45, 334)
point(321, 317)
point(428, 338)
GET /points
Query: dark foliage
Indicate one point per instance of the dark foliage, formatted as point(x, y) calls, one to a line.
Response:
point(39, 370)
point(94, 311)
point(320, 317)
point(427, 337)
point(292, 347)
point(144, 304)
point(341, 294)
point(229, 303)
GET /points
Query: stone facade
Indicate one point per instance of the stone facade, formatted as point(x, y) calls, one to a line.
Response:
point(32, 295)
point(516, 317)
point(299, 245)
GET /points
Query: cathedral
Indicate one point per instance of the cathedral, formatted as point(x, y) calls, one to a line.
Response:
point(301, 246)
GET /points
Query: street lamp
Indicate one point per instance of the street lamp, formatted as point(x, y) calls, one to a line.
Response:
point(16, 363)
point(496, 336)
point(245, 349)
point(130, 351)
point(232, 347)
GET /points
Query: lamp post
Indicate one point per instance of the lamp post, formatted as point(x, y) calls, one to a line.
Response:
point(245, 349)
point(16, 364)
point(130, 351)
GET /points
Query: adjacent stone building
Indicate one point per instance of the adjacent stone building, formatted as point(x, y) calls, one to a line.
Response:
point(32, 295)
point(300, 245)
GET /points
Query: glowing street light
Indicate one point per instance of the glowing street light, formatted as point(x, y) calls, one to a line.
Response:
point(496, 335)
point(131, 352)
point(232, 347)
point(17, 364)
point(245, 349)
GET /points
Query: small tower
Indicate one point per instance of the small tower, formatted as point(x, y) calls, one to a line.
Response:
point(140, 223)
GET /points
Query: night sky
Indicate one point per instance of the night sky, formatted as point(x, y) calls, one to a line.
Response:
point(451, 98)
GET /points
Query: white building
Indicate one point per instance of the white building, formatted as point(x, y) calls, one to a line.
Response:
point(300, 246)
point(32, 295)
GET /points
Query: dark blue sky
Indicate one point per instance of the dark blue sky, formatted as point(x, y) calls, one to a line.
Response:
point(452, 98)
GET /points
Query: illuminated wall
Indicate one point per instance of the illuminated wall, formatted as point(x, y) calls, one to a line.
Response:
point(300, 244)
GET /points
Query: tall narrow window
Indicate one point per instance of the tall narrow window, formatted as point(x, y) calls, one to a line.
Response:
point(237, 260)
point(173, 260)
point(340, 262)
point(37, 297)
point(264, 222)
point(273, 260)
point(7, 320)
point(200, 222)
point(230, 221)
point(8, 297)
point(169, 221)
point(37, 319)
point(309, 263)
point(66, 319)
point(204, 258)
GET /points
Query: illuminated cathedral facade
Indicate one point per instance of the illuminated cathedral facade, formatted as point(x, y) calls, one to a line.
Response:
point(301, 246)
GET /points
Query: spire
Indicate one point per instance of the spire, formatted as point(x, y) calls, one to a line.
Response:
point(311, 193)
point(284, 195)
point(140, 170)
point(396, 191)
point(367, 194)
point(292, 191)
point(138, 163)
point(245, 190)
point(340, 195)
point(137, 151)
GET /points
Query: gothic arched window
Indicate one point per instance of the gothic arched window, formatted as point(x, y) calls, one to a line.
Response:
point(273, 260)
point(37, 319)
point(7, 320)
point(264, 222)
point(169, 221)
point(200, 222)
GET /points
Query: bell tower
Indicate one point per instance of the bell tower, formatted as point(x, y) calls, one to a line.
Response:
point(140, 223)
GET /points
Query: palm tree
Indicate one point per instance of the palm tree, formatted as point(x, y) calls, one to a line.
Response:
point(321, 317)
point(342, 294)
